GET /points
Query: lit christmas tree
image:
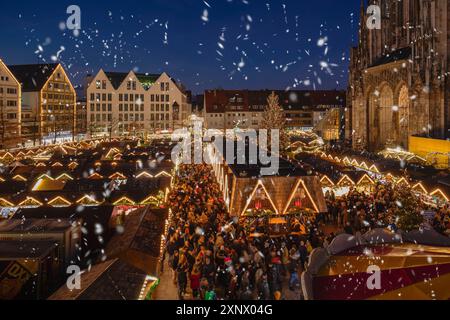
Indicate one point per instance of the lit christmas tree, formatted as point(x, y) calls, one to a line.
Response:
point(274, 119)
point(408, 212)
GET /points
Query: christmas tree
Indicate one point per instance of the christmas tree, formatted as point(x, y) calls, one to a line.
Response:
point(408, 212)
point(274, 119)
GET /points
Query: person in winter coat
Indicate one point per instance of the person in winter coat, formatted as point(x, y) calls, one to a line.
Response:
point(195, 281)
point(208, 270)
point(293, 269)
point(303, 251)
point(182, 272)
point(174, 266)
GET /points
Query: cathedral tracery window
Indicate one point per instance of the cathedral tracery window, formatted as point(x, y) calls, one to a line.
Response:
point(403, 116)
point(386, 128)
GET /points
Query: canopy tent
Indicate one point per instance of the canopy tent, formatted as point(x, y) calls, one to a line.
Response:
point(407, 272)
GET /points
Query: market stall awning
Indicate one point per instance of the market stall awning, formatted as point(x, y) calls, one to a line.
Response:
point(407, 272)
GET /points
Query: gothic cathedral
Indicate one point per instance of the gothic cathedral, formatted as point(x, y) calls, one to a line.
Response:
point(398, 84)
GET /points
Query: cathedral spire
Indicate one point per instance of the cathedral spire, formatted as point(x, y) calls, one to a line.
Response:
point(362, 17)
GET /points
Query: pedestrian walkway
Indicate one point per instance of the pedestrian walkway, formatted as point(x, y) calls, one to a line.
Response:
point(166, 289)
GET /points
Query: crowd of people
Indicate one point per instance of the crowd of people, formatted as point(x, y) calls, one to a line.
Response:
point(360, 211)
point(212, 257)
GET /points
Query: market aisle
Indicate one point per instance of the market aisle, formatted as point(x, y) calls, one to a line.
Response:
point(166, 290)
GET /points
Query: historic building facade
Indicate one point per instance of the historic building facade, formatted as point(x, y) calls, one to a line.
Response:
point(398, 84)
point(48, 103)
point(122, 104)
point(10, 108)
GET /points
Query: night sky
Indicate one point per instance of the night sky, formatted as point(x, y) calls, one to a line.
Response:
point(230, 44)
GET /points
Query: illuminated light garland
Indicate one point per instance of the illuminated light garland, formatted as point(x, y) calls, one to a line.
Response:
point(90, 201)
point(124, 201)
point(64, 176)
point(374, 168)
point(259, 184)
point(225, 190)
point(440, 193)
point(345, 178)
point(364, 166)
point(45, 176)
point(148, 279)
point(6, 203)
point(95, 176)
point(149, 200)
point(41, 164)
point(419, 188)
point(18, 177)
point(7, 154)
point(2, 180)
point(300, 182)
point(35, 203)
point(326, 178)
point(166, 196)
point(57, 164)
point(112, 152)
point(144, 174)
point(163, 173)
point(365, 177)
point(404, 181)
point(117, 176)
point(65, 202)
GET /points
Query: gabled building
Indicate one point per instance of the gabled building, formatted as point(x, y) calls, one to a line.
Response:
point(134, 104)
point(49, 99)
point(10, 108)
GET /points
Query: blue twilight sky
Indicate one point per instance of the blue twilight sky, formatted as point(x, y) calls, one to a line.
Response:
point(231, 44)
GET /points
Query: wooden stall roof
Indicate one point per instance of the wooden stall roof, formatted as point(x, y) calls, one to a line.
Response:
point(140, 244)
point(111, 280)
point(279, 189)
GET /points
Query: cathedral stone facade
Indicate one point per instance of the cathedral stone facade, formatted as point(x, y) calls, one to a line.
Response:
point(398, 84)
